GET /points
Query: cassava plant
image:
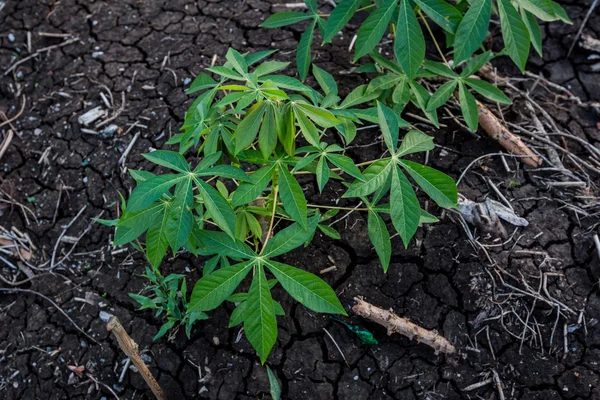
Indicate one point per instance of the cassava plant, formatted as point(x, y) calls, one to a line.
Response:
point(249, 135)
point(465, 26)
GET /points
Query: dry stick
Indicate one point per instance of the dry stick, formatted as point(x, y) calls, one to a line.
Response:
point(40, 51)
point(403, 326)
point(17, 115)
point(6, 142)
point(130, 348)
point(16, 290)
point(500, 133)
point(585, 20)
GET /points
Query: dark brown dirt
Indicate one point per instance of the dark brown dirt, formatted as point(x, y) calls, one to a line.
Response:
point(439, 282)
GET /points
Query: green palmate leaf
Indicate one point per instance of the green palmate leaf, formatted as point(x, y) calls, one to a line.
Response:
point(285, 18)
point(151, 190)
point(179, 223)
point(560, 13)
point(373, 178)
point(358, 96)
point(269, 67)
point(514, 33)
point(157, 242)
point(540, 8)
point(468, 106)
point(472, 30)
point(260, 323)
point(389, 126)
point(339, 17)
point(325, 80)
point(274, 387)
point(404, 207)
point(169, 159)
point(292, 196)
point(303, 56)
point(409, 46)
point(439, 186)
point(238, 314)
point(306, 288)
point(287, 82)
point(372, 30)
point(211, 290)
point(320, 116)
point(442, 95)
point(247, 130)
point(535, 33)
point(201, 82)
point(226, 72)
point(249, 191)
point(439, 69)
point(237, 61)
point(329, 231)
point(383, 82)
point(345, 164)
point(308, 129)
point(380, 238)
point(267, 137)
point(312, 6)
point(132, 225)
point(224, 171)
point(442, 13)
point(322, 173)
point(220, 243)
point(219, 209)
point(488, 90)
point(140, 175)
point(415, 142)
point(289, 238)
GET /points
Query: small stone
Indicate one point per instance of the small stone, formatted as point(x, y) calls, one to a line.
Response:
point(11, 37)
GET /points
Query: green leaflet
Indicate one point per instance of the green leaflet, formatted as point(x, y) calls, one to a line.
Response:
point(439, 186)
point(468, 106)
point(169, 159)
point(535, 33)
point(339, 17)
point(151, 190)
point(515, 33)
point(404, 207)
point(285, 18)
point(442, 95)
point(442, 13)
point(260, 324)
point(306, 288)
point(472, 30)
point(289, 238)
point(380, 238)
point(157, 242)
point(211, 290)
point(220, 243)
point(488, 90)
point(132, 225)
point(248, 129)
point(219, 209)
point(249, 191)
point(373, 178)
point(415, 142)
point(389, 126)
point(409, 46)
point(325, 80)
point(292, 196)
point(303, 56)
point(372, 30)
point(275, 389)
point(179, 221)
point(322, 173)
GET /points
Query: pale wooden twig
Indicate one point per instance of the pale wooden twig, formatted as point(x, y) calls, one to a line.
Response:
point(403, 326)
point(130, 348)
point(40, 51)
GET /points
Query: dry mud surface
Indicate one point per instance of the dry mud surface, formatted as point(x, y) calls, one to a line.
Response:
point(440, 282)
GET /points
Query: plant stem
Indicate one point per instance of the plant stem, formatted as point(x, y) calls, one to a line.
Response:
point(437, 46)
point(275, 193)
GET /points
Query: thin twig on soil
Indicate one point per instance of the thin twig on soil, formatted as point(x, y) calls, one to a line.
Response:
point(585, 20)
point(17, 115)
point(338, 347)
point(17, 290)
point(6, 142)
point(403, 326)
point(40, 51)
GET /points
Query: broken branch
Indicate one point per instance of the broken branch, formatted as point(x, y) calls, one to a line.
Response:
point(130, 348)
point(403, 326)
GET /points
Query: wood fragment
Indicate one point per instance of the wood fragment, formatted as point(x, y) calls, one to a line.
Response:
point(403, 326)
point(500, 133)
point(6, 142)
point(130, 348)
point(590, 43)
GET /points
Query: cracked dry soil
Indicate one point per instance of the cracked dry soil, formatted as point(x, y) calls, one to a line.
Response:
point(439, 282)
